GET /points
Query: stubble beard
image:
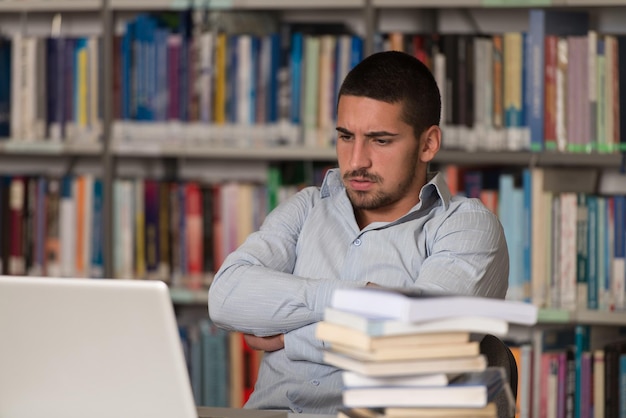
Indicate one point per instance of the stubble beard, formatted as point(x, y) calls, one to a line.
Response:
point(362, 200)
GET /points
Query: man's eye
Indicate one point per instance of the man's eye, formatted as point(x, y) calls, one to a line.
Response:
point(344, 137)
point(381, 141)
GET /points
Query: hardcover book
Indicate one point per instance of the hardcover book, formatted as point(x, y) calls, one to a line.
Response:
point(416, 306)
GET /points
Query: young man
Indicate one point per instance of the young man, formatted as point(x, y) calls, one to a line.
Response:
point(379, 218)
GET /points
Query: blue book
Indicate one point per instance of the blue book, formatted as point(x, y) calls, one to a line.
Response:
point(185, 28)
point(127, 63)
point(214, 364)
point(542, 22)
point(255, 68)
point(527, 231)
point(582, 333)
point(357, 51)
point(510, 208)
point(296, 64)
point(146, 67)
point(97, 250)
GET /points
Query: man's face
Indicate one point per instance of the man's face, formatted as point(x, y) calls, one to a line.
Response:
point(379, 158)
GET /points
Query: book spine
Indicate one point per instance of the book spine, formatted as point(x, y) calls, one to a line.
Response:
point(151, 202)
point(536, 77)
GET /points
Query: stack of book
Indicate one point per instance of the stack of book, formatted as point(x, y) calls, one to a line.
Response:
point(407, 354)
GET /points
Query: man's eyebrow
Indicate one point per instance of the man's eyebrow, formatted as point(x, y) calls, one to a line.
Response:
point(343, 130)
point(373, 134)
point(376, 134)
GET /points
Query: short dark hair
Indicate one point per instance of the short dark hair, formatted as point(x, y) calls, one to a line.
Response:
point(397, 77)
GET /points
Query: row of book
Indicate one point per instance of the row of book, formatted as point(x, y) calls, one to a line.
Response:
point(403, 353)
point(576, 376)
point(566, 236)
point(50, 88)
point(174, 231)
point(554, 87)
point(222, 368)
point(566, 242)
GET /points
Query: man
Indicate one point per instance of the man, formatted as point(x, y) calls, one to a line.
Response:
point(376, 219)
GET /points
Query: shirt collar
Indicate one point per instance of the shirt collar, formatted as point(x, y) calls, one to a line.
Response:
point(435, 188)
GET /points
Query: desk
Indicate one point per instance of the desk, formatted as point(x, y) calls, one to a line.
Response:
point(217, 412)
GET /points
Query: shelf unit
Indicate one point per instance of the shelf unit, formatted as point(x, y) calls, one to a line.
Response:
point(110, 153)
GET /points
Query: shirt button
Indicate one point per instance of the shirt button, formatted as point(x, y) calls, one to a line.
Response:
point(357, 242)
point(315, 382)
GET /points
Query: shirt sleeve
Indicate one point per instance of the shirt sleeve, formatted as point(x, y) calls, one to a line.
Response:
point(255, 291)
point(302, 345)
point(467, 254)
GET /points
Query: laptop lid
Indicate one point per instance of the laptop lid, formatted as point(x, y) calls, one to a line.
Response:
point(90, 348)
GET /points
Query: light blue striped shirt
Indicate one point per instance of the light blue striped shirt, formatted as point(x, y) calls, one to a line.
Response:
point(282, 277)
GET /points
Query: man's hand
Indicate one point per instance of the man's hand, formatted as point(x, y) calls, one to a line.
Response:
point(271, 343)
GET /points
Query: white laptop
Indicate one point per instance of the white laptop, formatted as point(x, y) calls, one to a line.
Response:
point(90, 348)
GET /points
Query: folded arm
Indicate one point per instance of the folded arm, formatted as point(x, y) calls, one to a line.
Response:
point(255, 291)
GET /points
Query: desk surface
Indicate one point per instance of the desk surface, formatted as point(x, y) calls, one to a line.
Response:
point(217, 412)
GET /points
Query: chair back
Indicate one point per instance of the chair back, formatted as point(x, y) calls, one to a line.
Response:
point(498, 354)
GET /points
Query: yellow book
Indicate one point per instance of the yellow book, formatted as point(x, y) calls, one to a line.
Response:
point(81, 73)
point(337, 334)
point(400, 353)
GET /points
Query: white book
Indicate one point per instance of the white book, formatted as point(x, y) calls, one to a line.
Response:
point(17, 74)
point(406, 367)
point(204, 84)
point(88, 223)
point(411, 305)
point(123, 232)
point(244, 75)
point(379, 326)
point(344, 47)
point(567, 247)
point(29, 88)
point(325, 124)
point(67, 228)
point(310, 106)
point(468, 390)
point(353, 379)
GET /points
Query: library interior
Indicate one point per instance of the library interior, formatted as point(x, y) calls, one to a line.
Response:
point(143, 141)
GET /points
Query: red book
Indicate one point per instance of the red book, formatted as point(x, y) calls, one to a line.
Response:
point(194, 234)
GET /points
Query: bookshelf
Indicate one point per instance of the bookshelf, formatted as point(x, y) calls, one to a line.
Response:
point(111, 157)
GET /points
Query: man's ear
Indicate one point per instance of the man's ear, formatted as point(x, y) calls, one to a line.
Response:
point(430, 142)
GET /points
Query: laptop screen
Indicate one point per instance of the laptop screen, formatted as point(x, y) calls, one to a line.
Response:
point(90, 347)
